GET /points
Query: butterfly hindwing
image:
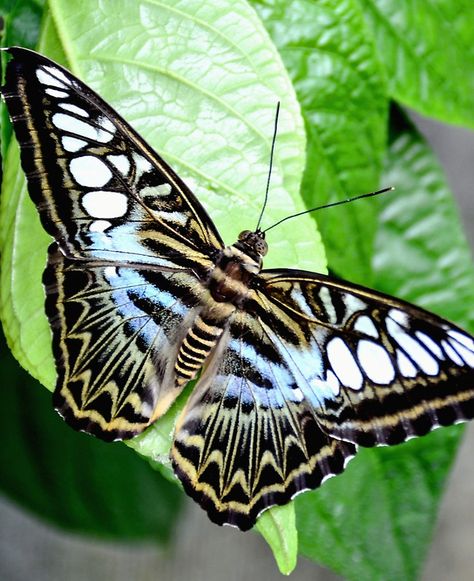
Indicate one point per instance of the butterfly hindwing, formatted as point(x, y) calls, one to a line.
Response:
point(247, 438)
point(376, 369)
point(114, 338)
point(101, 191)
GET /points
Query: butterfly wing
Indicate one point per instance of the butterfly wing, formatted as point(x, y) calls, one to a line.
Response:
point(101, 191)
point(377, 370)
point(116, 332)
point(248, 439)
point(132, 246)
point(310, 367)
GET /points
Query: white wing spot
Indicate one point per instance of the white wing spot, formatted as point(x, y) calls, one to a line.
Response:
point(464, 339)
point(89, 170)
point(452, 354)
point(406, 367)
point(103, 204)
point(354, 303)
point(58, 74)
point(57, 94)
point(164, 189)
point(100, 225)
point(72, 143)
point(375, 361)
point(45, 78)
point(177, 217)
point(432, 345)
point(297, 395)
point(344, 364)
point(333, 382)
point(325, 297)
point(74, 109)
point(398, 316)
point(364, 324)
point(142, 165)
point(121, 162)
point(110, 271)
point(463, 351)
point(106, 131)
point(300, 301)
point(72, 125)
point(417, 353)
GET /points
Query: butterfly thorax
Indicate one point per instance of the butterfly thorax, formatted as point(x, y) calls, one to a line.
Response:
point(229, 284)
point(235, 268)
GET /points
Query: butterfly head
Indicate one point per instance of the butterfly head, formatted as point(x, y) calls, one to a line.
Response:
point(253, 243)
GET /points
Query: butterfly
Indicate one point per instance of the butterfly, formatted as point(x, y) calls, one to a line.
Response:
point(296, 368)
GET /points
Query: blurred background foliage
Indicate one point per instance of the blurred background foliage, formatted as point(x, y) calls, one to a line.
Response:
point(353, 65)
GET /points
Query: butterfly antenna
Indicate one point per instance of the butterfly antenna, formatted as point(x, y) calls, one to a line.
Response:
point(270, 168)
point(370, 194)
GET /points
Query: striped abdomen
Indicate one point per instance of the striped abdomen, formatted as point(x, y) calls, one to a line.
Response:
point(197, 345)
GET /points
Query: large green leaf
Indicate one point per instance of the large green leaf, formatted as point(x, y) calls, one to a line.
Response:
point(193, 114)
point(211, 96)
point(427, 48)
point(421, 251)
point(335, 69)
point(71, 479)
point(375, 521)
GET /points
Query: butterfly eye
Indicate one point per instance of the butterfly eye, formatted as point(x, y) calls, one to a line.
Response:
point(244, 235)
point(261, 246)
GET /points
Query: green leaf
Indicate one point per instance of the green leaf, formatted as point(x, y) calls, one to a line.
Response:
point(21, 22)
point(71, 479)
point(207, 105)
point(332, 61)
point(428, 51)
point(422, 254)
point(278, 527)
point(376, 520)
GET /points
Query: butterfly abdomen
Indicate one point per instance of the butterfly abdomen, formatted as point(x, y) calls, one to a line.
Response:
point(197, 345)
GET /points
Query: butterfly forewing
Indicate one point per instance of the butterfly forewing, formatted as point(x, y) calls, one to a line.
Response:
point(110, 202)
point(376, 369)
point(100, 190)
